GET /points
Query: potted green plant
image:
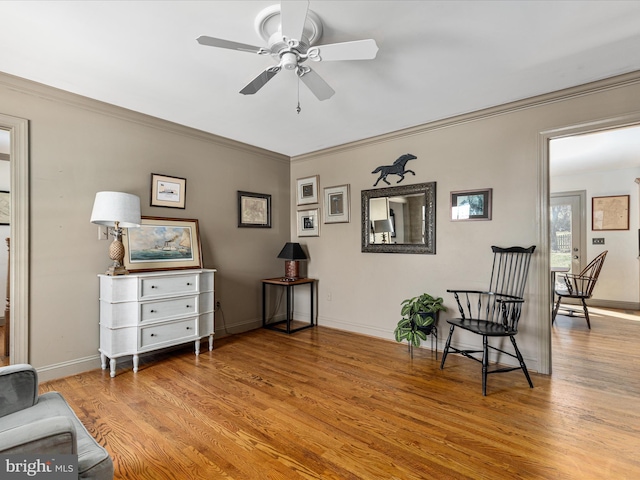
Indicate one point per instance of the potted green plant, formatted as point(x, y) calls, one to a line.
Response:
point(419, 315)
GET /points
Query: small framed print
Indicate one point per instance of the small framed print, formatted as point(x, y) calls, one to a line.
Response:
point(168, 191)
point(254, 210)
point(610, 213)
point(336, 204)
point(471, 205)
point(307, 190)
point(308, 223)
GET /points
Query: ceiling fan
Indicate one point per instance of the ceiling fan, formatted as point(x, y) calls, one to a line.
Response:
point(291, 30)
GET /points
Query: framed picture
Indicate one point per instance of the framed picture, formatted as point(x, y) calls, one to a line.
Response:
point(308, 223)
point(254, 210)
point(162, 244)
point(307, 190)
point(610, 213)
point(168, 191)
point(5, 208)
point(337, 204)
point(471, 205)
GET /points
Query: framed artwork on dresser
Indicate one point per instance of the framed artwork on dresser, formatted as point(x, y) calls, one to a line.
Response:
point(162, 244)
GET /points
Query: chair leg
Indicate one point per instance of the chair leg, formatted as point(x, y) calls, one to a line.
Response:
point(446, 347)
point(485, 364)
point(586, 312)
point(521, 360)
point(555, 310)
point(434, 333)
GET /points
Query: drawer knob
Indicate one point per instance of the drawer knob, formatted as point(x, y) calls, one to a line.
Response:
point(188, 328)
point(188, 306)
point(189, 283)
point(153, 286)
point(153, 311)
point(153, 334)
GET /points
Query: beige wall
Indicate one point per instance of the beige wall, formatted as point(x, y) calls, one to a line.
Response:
point(499, 148)
point(79, 147)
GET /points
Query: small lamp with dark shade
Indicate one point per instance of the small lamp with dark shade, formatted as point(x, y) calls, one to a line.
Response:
point(292, 253)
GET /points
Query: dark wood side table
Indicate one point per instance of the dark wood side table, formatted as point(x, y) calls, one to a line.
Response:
point(289, 286)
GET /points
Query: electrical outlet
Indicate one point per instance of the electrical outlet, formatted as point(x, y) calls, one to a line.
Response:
point(597, 241)
point(218, 304)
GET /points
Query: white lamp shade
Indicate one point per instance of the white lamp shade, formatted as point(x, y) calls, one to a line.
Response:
point(112, 207)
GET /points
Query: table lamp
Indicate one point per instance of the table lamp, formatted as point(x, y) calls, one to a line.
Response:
point(117, 210)
point(383, 226)
point(292, 252)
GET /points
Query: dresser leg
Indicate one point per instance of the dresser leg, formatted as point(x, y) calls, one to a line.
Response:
point(103, 361)
point(112, 364)
point(210, 342)
point(197, 346)
point(136, 362)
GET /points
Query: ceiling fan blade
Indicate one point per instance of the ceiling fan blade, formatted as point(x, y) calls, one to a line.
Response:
point(317, 85)
point(293, 15)
point(257, 83)
point(357, 50)
point(218, 42)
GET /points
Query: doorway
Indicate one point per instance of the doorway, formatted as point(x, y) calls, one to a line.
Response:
point(18, 129)
point(597, 161)
point(5, 233)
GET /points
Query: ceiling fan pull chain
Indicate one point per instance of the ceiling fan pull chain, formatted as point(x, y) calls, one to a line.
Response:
point(298, 109)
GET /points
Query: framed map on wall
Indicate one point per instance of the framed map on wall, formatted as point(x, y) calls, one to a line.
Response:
point(610, 213)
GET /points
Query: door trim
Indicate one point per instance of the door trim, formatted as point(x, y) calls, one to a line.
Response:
point(544, 279)
point(19, 249)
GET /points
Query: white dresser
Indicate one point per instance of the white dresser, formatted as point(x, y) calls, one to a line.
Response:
point(148, 311)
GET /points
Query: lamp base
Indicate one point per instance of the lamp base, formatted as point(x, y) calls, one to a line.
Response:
point(291, 271)
point(114, 270)
point(116, 253)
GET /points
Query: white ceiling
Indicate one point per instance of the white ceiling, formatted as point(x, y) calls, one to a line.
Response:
point(436, 59)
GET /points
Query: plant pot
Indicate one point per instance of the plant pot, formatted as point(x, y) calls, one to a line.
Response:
point(427, 328)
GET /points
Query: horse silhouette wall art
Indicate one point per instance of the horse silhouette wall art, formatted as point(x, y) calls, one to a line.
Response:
point(398, 168)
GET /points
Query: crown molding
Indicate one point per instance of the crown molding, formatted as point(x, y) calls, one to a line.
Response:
point(35, 89)
point(610, 83)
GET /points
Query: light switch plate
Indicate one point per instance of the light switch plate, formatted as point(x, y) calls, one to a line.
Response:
point(597, 241)
point(103, 232)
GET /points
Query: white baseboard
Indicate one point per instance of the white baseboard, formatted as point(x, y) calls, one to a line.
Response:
point(66, 369)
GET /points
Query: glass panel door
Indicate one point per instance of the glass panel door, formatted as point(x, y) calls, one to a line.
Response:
point(567, 230)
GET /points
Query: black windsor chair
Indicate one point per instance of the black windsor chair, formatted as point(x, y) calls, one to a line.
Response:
point(496, 312)
point(580, 286)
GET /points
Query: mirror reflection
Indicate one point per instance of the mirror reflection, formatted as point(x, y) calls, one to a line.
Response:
point(399, 219)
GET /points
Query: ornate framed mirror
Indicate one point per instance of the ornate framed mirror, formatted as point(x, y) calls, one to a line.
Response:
point(399, 219)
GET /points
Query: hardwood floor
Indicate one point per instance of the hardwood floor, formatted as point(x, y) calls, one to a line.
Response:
point(327, 404)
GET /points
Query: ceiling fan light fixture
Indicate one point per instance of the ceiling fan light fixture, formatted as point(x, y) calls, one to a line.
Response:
point(291, 29)
point(289, 61)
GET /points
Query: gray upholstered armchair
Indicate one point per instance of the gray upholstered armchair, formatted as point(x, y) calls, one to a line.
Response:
point(45, 424)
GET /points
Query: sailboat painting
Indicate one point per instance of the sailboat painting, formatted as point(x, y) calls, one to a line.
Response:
point(159, 244)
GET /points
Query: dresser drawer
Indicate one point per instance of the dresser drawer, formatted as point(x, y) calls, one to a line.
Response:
point(154, 287)
point(168, 333)
point(166, 309)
